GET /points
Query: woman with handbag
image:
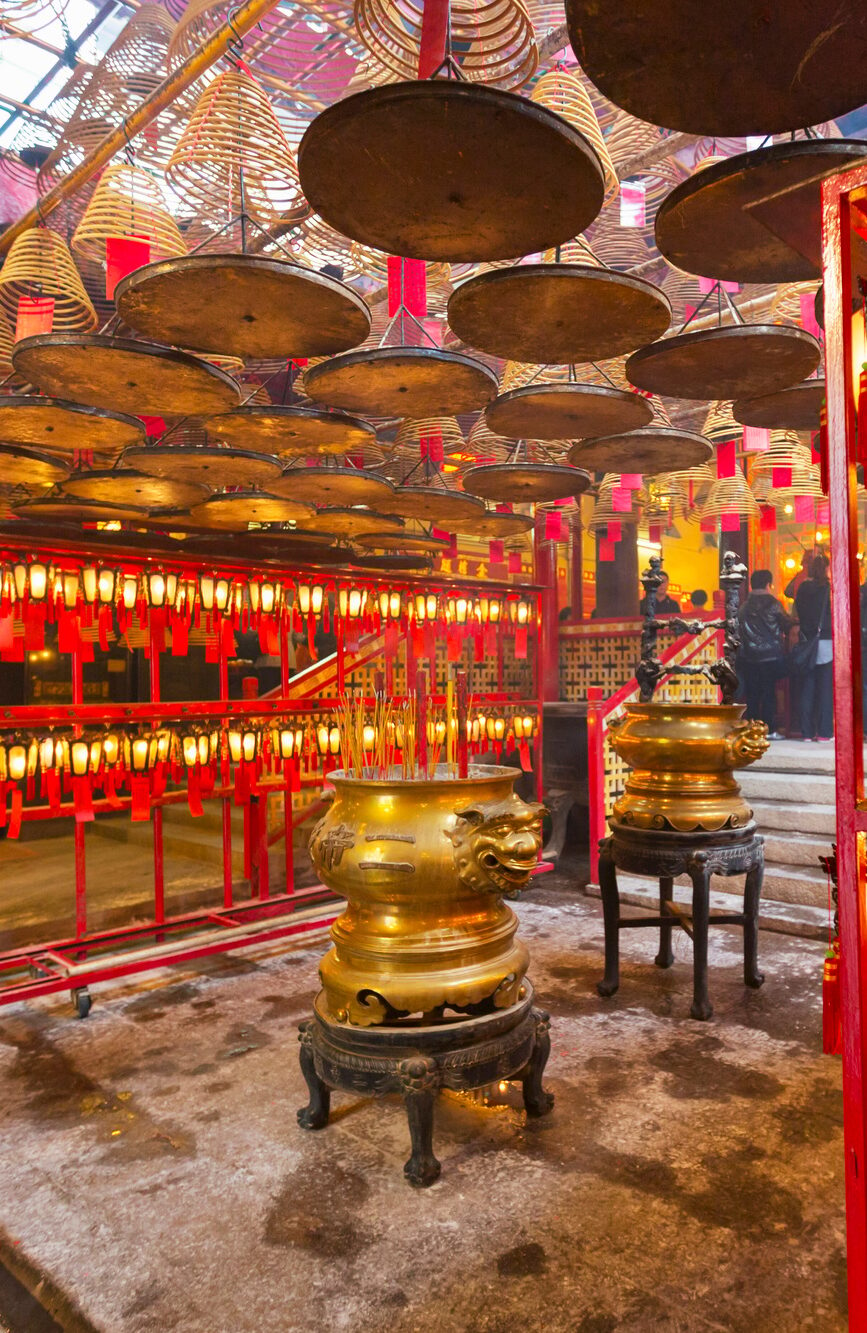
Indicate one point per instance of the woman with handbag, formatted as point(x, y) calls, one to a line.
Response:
point(814, 654)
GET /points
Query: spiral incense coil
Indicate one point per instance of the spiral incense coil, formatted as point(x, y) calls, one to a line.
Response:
point(414, 433)
point(805, 482)
point(615, 246)
point(33, 15)
point(492, 41)
point(730, 495)
point(484, 446)
point(133, 66)
point(317, 244)
point(719, 424)
point(7, 342)
point(127, 202)
point(604, 511)
point(576, 251)
point(785, 451)
point(786, 303)
point(301, 49)
point(562, 91)
point(39, 264)
point(233, 156)
point(627, 137)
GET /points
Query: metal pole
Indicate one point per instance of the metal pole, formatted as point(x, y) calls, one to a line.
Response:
point(245, 17)
point(80, 865)
point(227, 800)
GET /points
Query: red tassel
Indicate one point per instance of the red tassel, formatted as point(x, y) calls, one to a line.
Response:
point(82, 794)
point(832, 1011)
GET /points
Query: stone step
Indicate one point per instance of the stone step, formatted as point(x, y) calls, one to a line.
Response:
point(767, 785)
point(784, 917)
point(798, 849)
point(796, 884)
point(798, 757)
point(787, 816)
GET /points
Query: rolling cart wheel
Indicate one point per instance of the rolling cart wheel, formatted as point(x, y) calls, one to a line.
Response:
point(81, 1000)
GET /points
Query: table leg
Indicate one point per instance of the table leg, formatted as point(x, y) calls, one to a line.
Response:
point(665, 957)
point(315, 1114)
point(536, 1100)
point(611, 918)
point(699, 873)
point(420, 1082)
point(752, 892)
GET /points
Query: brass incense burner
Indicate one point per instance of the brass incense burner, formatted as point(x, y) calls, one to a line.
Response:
point(425, 864)
point(682, 757)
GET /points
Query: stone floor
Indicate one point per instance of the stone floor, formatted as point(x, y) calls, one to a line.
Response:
point(153, 1177)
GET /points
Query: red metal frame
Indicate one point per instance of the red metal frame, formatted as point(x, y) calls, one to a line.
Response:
point(837, 226)
point(73, 963)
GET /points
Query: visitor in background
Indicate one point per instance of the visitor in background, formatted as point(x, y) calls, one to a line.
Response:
point(665, 605)
point(763, 624)
point(813, 609)
point(803, 573)
point(698, 601)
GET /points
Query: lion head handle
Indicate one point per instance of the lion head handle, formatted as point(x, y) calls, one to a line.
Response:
point(497, 844)
point(747, 744)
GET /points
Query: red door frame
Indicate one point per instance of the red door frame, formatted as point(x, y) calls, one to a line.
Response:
point(851, 816)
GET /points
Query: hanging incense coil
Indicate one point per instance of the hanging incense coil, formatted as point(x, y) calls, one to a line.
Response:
point(785, 452)
point(615, 246)
point(352, 521)
point(7, 342)
point(786, 304)
point(561, 90)
point(719, 424)
point(649, 450)
point(316, 243)
point(730, 495)
point(428, 437)
point(233, 156)
point(133, 66)
point(127, 202)
point(39, 264)
point(604, 511)
point(300, 49)
point(413, 538)
point(491, 41)
point(485, 446)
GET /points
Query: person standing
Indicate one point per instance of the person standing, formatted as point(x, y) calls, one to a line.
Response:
point(763, 624)
point(665, 605)
point(813, 610)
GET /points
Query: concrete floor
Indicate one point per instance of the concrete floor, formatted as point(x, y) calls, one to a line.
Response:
point(689, 1178)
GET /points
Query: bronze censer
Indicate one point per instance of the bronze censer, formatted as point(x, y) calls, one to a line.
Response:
point(424, 987)
point(682, 811)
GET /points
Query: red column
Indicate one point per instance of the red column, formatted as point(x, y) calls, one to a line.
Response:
point(848, 721)
point(545, 556)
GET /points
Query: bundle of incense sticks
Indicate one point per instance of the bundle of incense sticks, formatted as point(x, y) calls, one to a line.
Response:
point(369, 741)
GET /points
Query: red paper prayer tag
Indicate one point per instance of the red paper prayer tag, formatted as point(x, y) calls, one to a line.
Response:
point(654, 532)
point(805, 508)
point(756, 440)
point(496, 552)
point(553, 527)
point(35, 315)
point(621, 500)
point(124, 254)
point(781, 476)
point(514, 562)
point(606, 549)
point(521, 643)
point(631, 481)
point(407, 285)
point(730, 523)
point(768, 518)
point(726, 459)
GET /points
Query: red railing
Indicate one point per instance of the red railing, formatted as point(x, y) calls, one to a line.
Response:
point(599, 713)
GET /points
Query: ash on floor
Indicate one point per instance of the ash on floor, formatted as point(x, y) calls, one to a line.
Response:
point(689, 1178)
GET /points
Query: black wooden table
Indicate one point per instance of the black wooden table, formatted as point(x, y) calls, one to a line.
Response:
point(662, 855)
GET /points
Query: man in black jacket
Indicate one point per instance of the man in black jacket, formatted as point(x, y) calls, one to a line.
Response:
point(763, 622)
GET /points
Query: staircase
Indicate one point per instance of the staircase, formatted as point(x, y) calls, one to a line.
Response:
point(792, 793)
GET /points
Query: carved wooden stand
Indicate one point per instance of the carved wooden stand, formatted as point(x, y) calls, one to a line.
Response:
point(511, 1044)
point(663, 855)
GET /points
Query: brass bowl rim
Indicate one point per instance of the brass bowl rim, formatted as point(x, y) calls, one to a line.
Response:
point(475, 773)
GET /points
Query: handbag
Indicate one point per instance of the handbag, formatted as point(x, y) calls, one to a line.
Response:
point(802, 657)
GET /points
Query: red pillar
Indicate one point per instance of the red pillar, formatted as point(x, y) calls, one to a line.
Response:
point(545, 557)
